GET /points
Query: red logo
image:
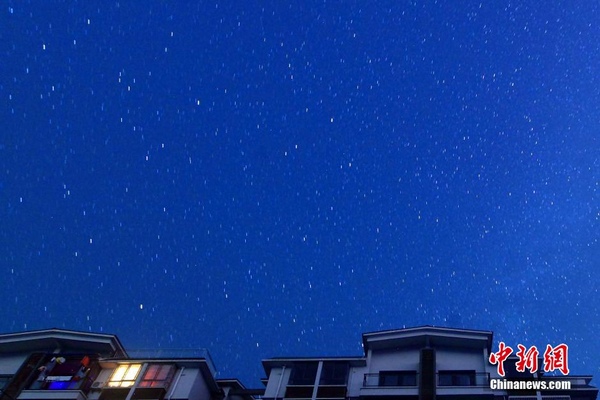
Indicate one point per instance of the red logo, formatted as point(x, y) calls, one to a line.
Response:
point(500, 357)
point(555, 358)
point(527, 359)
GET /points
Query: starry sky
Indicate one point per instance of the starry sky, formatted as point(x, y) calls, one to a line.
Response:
point(275, 178)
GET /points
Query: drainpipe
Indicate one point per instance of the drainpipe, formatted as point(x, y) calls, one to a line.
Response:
point(176, 382)
point(279, 384)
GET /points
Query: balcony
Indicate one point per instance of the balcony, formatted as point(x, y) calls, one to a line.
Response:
point(61, 377)
point(330, 382)
point(52, 395)
point(391, 379)
point(390, 383)
point(463, 383)
point(406, 383)
point(463, 379)
point(299, 392)
point(542, 397)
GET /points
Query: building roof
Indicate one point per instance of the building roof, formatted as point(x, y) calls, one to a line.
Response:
point(271, 363)
point(65, 340)
point(423, 336)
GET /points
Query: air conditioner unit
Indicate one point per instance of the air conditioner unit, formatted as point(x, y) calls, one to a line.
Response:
point(98, 385)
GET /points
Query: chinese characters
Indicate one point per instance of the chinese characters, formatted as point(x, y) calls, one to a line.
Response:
point(554, 358)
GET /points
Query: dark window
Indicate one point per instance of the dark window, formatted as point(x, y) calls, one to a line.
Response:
point(456, 378)
point(4, 379)
point(334, 373)
point(304, 373)
point(331, 392)
point(398, 378)
point(299, 392)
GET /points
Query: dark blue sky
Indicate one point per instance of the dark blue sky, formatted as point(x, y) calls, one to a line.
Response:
point(275, 178)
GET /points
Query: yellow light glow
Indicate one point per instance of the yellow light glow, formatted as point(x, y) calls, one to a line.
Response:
point(132, 372)
point(118, 374)
point(124, 375)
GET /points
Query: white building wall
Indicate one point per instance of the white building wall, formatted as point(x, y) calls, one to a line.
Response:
point(11, 363)
point(355, 380)
point(459, 359)
point(278, 379)
point(394, 360)
point(191, 385)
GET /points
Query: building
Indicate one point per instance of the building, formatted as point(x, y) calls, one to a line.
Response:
point(417, 363)
point(57, 364)
point(422, 363)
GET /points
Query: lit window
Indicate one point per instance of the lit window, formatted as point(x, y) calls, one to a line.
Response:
point(124, 375)
point(158, 375)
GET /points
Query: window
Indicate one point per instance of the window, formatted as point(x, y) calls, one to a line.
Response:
point(302, 380)
point(4, 379)
point(69, 372)
point(398, 378)
point(124, 375)
point(304, 373)
point(332, 383)
point(157, 376)
point(154, 382)
point(456, 378)
point(334, 373)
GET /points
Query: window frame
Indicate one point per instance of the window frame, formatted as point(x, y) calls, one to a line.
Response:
point(127, 378)
point(456, 377)
point(403, 378)
point(334, 373)
point(308, 371)
point(163, 375)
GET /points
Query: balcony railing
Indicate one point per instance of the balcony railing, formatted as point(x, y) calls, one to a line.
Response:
point(200, 353)
point(323, 391)
point(70, 372)
point(445, 379)
point(463, 379)
point(375, 380)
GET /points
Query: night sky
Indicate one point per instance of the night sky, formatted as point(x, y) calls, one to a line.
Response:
point(275, 178)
